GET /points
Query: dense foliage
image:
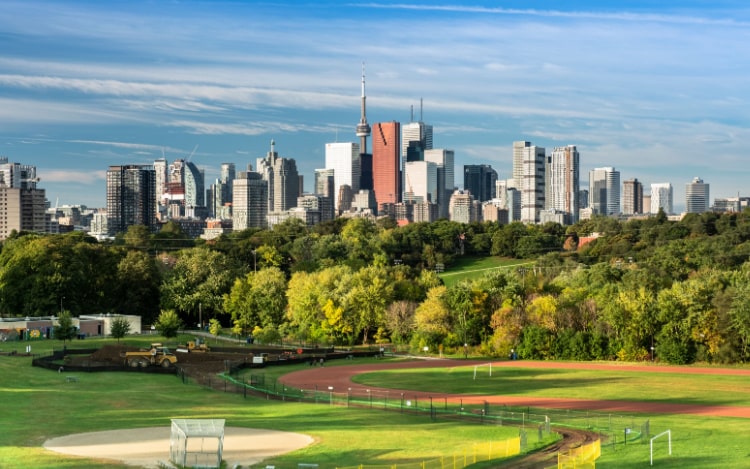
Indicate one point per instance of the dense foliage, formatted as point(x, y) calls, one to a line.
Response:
point(640, 290)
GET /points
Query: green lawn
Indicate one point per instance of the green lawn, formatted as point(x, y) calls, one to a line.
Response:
point(467, 268)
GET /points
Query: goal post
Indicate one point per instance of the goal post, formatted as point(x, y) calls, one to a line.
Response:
point(669, 440)
point(478, 367)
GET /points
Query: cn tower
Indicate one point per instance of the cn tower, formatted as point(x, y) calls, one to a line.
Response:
point(363, 128)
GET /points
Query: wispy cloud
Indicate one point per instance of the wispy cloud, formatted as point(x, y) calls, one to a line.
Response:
point(65, 176)
point(674, 18)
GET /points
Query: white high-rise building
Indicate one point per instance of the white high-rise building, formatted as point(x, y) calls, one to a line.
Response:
point(422, 181)
point(604, 191)
point(661, 198)
point(343, 159)
point(528, 176)
point(562, 182)
point(696, 196)
point(415, 132)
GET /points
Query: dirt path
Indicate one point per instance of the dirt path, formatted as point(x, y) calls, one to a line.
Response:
point(340, 377)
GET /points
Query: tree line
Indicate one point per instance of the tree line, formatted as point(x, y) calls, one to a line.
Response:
point(646, 289)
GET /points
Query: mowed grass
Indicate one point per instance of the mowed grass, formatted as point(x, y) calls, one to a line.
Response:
point(570, 383)
point(39, 404)
point(468, 268)
point(697, 441)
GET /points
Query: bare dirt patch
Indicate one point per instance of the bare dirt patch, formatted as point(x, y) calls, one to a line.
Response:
point(147, 447)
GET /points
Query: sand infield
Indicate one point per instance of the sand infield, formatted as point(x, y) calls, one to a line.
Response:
point(147, 447)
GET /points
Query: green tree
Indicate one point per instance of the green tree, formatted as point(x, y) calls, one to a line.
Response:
point(370, 295)
point(198, 282)
point(214, 327)
point(432, 319)
point(64, 329)
point(168, 324)
point(137, 288)
point(119, 327)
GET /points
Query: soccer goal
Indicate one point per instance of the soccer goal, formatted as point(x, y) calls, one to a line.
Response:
point(483, 368)
point(669, 440)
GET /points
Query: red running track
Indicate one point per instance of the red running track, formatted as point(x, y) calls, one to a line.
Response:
point(340, 378)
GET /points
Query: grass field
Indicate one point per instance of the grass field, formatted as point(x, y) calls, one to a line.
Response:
point(570, 383)
point(39, 404)
point(467, 268)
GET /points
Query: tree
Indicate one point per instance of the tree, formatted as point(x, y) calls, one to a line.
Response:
point(119, 328)
point(64, 330)
point(198, 282)
point(168, 323)
point(214, 327)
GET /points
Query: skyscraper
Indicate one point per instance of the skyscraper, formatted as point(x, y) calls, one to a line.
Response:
point(562, 183)
point(696, 196)
point(343, 159)
point(604, 191)
point(131, 194)
point(324, 187)
point(22, 204)
point(444, 159)
point(385, 162)
point(283, 180)
point(250, 201)
point(661, 197)
point(528, 177)
point(479, 180)
point(632, 197)
point(422, 184)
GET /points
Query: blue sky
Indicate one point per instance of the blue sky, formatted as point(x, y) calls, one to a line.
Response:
point(657, 91)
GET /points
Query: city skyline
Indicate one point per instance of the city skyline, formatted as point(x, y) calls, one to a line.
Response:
point(656, 92)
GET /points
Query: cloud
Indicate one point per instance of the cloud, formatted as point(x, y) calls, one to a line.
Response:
point(66, 176)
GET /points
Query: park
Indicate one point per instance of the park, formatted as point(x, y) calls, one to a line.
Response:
point(704, 408)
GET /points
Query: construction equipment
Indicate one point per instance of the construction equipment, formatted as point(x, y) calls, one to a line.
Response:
point(157, 355)
point(193, 346)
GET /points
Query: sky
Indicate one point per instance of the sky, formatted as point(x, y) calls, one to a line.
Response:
point(659, 92)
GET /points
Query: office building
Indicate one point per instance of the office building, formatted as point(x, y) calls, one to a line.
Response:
point(444, 159)
point(562, 184)
point(632, 197)
point(343, 159)
point(249, 201)
point(604, 191)
point(528, 177)
point(131, 197)
point(386, 170)
point(696, 196)
point(480, 180)
point(283, 180)
point(661, 198)
point(422, 181)
point(22, 203)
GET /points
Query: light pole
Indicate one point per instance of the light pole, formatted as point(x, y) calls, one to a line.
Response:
point(330, 395)
point(61, 304)
point(255, 261)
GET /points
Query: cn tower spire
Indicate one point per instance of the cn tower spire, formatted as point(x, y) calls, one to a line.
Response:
point(363, 128)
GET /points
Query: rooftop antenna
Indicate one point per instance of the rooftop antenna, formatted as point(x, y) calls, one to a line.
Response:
point(420, 110)
point(411, 113)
